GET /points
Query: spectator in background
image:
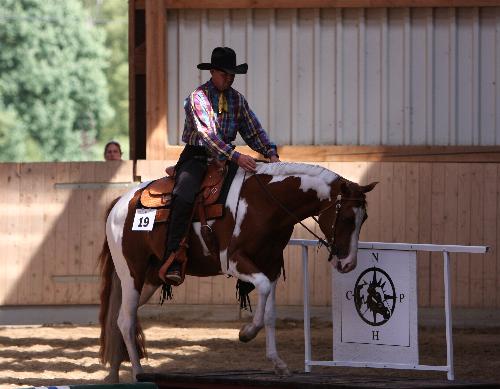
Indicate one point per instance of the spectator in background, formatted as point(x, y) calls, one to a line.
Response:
point(112, 151)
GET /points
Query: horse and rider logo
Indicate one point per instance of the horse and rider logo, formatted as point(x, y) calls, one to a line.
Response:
point(374, 296)
point(376, 307)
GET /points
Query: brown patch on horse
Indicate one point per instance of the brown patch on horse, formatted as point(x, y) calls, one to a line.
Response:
point(264, 235)
point(143, 249)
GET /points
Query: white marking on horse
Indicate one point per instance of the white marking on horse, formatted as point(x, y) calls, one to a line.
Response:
point(223, 261)
point(197, 230)
point(312, 177)
point(114, 233)
point(353, 246)
point(242, 211)
point(238, 211)
point(233, 197)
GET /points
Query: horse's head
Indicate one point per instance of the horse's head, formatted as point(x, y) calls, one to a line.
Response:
point(341, 219)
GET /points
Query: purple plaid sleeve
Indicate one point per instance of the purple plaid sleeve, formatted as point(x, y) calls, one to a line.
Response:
point(252, 132)
point(203, 118)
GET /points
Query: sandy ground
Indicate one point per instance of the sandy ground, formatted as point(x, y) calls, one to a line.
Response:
point(68, 354)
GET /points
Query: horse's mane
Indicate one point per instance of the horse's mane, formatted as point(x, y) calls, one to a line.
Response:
point(296, 169)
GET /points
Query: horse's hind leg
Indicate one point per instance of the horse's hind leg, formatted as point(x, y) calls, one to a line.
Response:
point(280, 366)
point(127, 322)
point(115, 347)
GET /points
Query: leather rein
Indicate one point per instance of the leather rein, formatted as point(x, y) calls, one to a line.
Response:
point(329, 244)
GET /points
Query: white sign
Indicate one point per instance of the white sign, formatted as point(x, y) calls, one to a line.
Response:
point(375, 309)
point(144, 220)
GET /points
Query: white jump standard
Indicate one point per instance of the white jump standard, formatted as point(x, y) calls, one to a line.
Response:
point(374, 296)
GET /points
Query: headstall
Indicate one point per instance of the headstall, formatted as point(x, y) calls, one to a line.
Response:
point(330, 245)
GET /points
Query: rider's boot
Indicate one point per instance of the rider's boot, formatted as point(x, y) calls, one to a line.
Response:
point(174, 260)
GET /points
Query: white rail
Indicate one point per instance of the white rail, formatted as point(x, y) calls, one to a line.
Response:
point(445, 249)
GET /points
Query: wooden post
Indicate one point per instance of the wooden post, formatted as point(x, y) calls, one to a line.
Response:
point(131, 79)
point(156, 80)
point(137, 81)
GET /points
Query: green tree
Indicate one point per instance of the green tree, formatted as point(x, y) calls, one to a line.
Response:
point(52, 80)
point(112, 17)
point(12, 135)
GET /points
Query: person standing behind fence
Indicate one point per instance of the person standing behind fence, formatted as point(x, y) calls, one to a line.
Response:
point(113, 151)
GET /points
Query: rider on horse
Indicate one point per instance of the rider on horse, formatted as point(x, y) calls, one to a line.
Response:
point(215, 112)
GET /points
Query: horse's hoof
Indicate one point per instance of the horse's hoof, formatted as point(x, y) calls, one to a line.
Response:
point(282, 371)
point(247, 333)
point(112, 378)
point(280, 367)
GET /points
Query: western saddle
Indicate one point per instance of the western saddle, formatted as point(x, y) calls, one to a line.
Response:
point(208, 204)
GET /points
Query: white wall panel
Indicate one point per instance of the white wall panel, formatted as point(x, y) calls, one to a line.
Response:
point(326, 95)
point(466, 78)
point(281, 83)
point(397, 76)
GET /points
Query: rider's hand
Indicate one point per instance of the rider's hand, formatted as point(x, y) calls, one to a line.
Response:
point(274, 158)
point(170, 170)
point(247, 163)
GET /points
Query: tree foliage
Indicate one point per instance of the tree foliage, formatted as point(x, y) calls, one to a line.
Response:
point(12, 135)
point(112, 17)
point(53, 89)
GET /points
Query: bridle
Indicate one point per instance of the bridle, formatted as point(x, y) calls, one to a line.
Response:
point(330, 245)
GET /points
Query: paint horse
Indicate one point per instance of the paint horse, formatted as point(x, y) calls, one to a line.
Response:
point(260, 213)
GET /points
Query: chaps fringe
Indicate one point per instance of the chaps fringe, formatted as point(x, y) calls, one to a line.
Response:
point(166, 293)
point(243, 290)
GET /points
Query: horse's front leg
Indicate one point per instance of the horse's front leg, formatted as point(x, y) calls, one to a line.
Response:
point(263, 288)
point(280, 366)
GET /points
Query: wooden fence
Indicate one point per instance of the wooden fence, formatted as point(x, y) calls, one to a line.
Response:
point(53, 230)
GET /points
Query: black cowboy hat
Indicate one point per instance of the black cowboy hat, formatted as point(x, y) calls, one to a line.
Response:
point(224, 58)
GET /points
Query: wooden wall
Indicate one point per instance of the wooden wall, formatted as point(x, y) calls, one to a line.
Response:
point(53, 229)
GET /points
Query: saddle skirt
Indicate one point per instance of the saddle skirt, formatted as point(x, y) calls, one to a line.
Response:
point(158, 194)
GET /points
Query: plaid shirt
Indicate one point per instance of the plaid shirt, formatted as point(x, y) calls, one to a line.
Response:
point(204, 126)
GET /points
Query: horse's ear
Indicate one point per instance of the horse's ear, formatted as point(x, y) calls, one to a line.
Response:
point(369, 187)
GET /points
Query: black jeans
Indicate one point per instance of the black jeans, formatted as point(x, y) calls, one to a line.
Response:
point(189, 173)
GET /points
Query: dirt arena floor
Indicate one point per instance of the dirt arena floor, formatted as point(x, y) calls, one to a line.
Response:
point(68, 354)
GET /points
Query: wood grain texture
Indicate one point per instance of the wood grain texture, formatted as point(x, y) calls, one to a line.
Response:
point(156, 81)
point(53, 232)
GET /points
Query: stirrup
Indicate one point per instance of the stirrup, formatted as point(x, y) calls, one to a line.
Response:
point(174, 276)
point(163, 271)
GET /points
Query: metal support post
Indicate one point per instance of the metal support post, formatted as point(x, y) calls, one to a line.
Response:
point(307, 313)
point(447, 306)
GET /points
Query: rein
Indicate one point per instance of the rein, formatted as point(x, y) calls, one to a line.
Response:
point(330, 246)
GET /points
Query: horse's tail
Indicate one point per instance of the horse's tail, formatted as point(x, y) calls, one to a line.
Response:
point(112, 347)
